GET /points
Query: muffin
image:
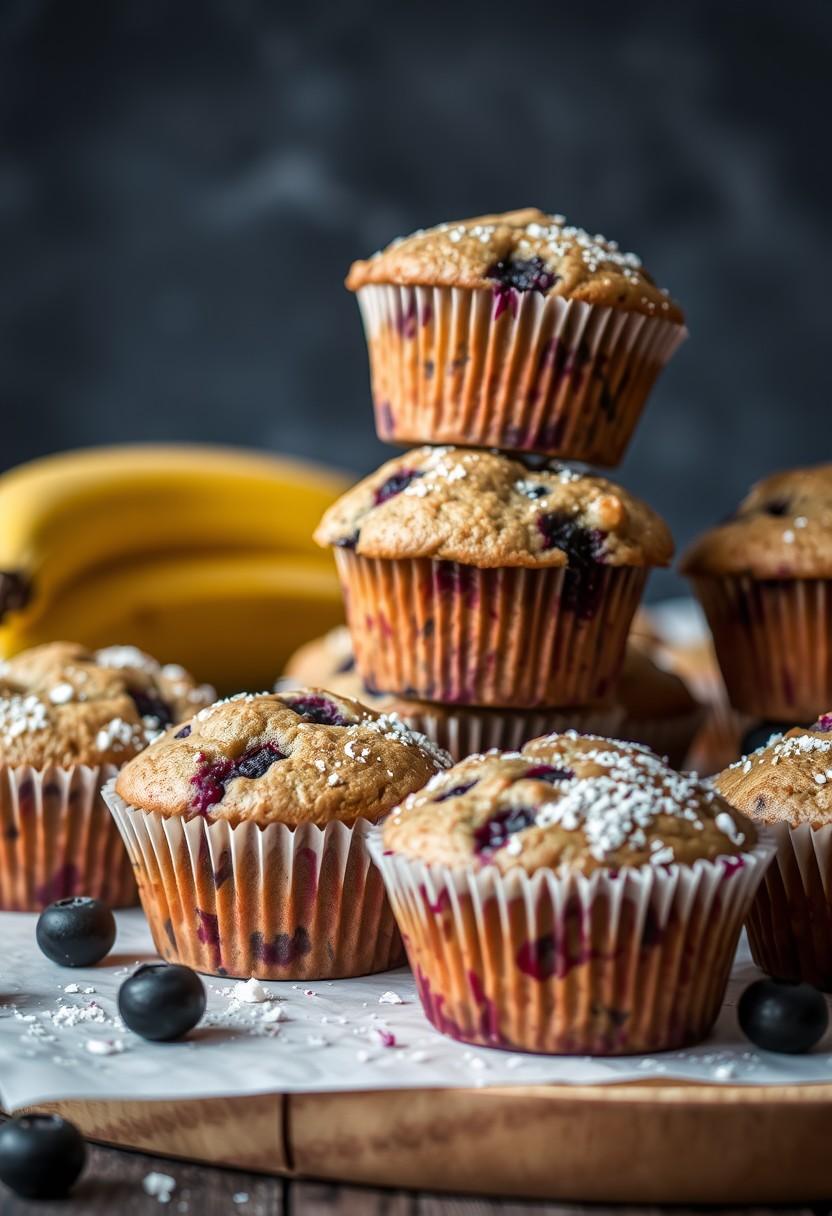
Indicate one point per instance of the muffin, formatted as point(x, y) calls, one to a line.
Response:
point(787, 786)
point(513, 331)
point(658, 709)
point(473, 579)
point(763, 578)
point(458, 729)
point(69, 718)
point(247, 829)
point(575, 897)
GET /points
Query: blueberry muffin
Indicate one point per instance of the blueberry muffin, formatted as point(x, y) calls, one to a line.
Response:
point(577, 896)
point(69, 718)
point(787, 787)
point(763, 578)
point(247, 827)
point(473, 579)
point(515, 331)
point(658, 708)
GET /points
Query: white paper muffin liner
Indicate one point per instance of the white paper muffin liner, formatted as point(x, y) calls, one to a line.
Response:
point(57, 839)
point(463, 732)
point(504, 637)
point(275, 902)
point(613, 963)
point(773, 639)
point(518, 371)
point(790, 922)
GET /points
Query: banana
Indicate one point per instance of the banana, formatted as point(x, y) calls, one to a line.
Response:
point(231, 618)
point(66, 515)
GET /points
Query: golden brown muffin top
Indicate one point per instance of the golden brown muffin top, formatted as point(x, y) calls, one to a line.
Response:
point(525, 250)
point(789, 780)
point(782, 529)
point(647, 690)
point(485, 509)
point(576, 802)
point(62, 704)
point(305, 756)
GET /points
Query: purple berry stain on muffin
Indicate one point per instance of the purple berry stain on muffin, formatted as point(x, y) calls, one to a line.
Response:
point(824, 723)
point(214, 775)
point(284, 948)
point(456, 791)
point(64, 883)
point(207, 928)
point(497, 830)
point(406, 321)
point(513, 275)
point(777, 507)
point(184, 732)
point(555, 954)
point(348, 542)
point(395, 484)
point(224, 869)
point(452, 578)
point(584, 549)
point(318, 709)
point(548, 773)
point(386, 419)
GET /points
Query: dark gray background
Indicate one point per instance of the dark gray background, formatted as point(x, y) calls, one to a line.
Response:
point(183, 185)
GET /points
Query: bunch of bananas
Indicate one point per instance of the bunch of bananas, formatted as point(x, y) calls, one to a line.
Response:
point(199, 555)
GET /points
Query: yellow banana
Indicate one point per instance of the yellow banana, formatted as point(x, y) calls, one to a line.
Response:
point(232, 618)
point(65, 515)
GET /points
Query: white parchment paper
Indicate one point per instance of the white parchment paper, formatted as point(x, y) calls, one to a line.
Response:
point(60, 1037)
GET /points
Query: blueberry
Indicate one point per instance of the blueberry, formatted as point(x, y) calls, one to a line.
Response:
point(779, 1016)
point(162, 1001)
point(41, 1156)
point(497, 830)
point(149, 705)
point(76, 932)
point(395, 485)
point(531, 274)
point(759, 735)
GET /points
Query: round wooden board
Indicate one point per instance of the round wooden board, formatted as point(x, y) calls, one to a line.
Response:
point(636, 1143)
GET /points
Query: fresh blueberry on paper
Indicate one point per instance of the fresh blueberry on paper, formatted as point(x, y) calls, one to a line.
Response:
point(76, 932)
point(41, 1156)
point(779, 1016)
point(162, 1001)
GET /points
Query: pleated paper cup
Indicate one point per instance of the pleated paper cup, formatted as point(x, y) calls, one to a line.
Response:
point(275, 902)
point(57, 839)
point(790, 922)
point(507, 637)
point(512, 370)
point(773, 639)
point(464, 732)
point(614, 963)
point(671, 736)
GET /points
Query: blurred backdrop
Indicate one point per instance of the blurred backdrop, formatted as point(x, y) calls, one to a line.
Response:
point(183, 186)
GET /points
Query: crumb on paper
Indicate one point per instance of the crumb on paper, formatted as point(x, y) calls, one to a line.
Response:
point(159, 1186)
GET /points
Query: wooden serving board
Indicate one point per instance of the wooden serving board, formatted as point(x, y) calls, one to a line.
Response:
point(636, 1143)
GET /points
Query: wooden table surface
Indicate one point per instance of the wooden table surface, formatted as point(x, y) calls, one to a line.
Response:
point(112, 1183)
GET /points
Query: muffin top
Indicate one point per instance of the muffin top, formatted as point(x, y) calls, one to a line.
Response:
point(306, 756)
point(574, 802)
point(647, 690)
point(485, 509)
point(782, 529)
point(789, 780)
point(519, 251)
point(62, 704)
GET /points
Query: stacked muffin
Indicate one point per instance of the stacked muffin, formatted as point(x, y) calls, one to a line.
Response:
point(491, 591)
